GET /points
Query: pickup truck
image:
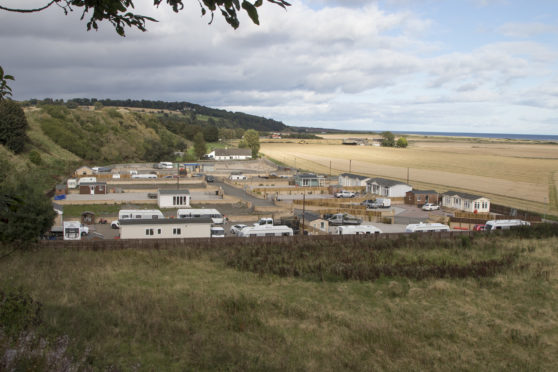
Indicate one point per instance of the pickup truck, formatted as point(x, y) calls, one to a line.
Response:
point(343, 219)
point(345, 194)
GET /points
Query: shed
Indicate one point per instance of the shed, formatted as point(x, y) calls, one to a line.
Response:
point(88, 218)
point(173, 198)
point(387, 187)
point(421, 197)
point(60, 189)
point(84, 171)
point(93, 188)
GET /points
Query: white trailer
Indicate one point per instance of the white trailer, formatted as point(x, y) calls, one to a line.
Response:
point(505, 224)
point(72, 183)
point(165, 165)
point(144, 176)
point(140, 214)
point(427, 227)
point(265, 230)
point(86, 180)
point(237, 177)
point(214, 214)
point(357, 230)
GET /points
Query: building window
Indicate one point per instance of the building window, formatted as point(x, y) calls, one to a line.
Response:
point(148, 231)
point(466, 204)
point(484, 205)
point(477, 205)
point(159, 231)
point(176, 231)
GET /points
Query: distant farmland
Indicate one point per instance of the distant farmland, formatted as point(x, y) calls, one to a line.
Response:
point(521, 175)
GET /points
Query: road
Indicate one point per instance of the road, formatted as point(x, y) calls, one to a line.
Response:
point(240, 193)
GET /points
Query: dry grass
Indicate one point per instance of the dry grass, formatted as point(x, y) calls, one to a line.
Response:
point(161, 310)
point(513, 171)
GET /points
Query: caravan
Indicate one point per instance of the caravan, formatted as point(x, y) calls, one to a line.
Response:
point(427, 227)
point(265, 230)
point(358, 230)
point(74, 230)
point(136, 214)
point(504, 224)
point(214, 214)
point(165, 165)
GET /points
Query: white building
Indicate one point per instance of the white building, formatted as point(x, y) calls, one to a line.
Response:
point(166, 228)
point(465, 202)
point(230, 154)
point(349, 179)
point(385, 187)
point(173, 198)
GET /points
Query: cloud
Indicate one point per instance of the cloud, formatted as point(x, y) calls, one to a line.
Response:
point(526, 30)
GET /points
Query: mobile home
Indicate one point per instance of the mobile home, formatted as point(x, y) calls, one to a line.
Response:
point(140, 214)
point(504, 224)
point(165, 228)
point(427, 227)
point(214, 214)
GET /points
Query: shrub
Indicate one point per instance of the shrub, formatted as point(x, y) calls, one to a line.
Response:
point(35, 158)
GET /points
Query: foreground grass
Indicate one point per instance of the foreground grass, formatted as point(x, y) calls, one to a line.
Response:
point(175, 310)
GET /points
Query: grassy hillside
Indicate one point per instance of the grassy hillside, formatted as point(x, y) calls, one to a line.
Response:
point(234, 306)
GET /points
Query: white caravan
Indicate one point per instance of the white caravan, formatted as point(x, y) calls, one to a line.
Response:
point(144, 176)
point(505, 224)
point(427, 227)
point(266, 230)
point(140, 214)
point(86, 180)
point(72, 183)
point(214, 214)
point(165, 165)
point(357, 230)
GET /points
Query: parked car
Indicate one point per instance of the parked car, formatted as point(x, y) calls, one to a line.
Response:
point(115, 224)
point(479, 227)
point(343, 219)
point(379, 203)
point(235, 229)
point(209, 178)
point(430, 207)
point(345, 194)
point(197, 175)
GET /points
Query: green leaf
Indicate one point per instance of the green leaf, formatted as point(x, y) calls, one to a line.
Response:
point(258, 3)
point(252, 11)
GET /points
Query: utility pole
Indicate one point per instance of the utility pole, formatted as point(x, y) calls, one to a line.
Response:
point(350, 163)
point(303, 210)
point(407, 176)
point(177, 177)
point(330, 169)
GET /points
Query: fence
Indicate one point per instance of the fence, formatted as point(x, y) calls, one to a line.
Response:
point(512, 213)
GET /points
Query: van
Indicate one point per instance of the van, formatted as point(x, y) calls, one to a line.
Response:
point(427, 227)
point(217, 232)
point(504, 224)
point(74, 230)
point(358, 230)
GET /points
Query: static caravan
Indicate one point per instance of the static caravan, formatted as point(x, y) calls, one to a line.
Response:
point(358, 230)
point(165, 228)
point(265, 230)
point(140, 214)
point(427, 227)
point(72, 183)
point(505, 224)
point(86, 180)
point(144, 176)
point(165, 165)
point(214, 214)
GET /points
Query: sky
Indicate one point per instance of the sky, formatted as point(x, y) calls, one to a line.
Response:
point(403, 65)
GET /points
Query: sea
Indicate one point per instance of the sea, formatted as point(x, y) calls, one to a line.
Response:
point(533, 137)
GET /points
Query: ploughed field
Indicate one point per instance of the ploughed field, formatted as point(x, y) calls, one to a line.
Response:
point(516, 174)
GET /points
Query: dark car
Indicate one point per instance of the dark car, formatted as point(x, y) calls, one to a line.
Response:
point(209, 178)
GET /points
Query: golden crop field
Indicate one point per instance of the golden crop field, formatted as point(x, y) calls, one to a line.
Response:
point(520, 174)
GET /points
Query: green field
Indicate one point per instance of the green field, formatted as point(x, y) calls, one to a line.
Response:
point(309, 304)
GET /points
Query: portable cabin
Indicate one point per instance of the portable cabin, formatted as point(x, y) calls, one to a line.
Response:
point(166, 228)
point(173, 198)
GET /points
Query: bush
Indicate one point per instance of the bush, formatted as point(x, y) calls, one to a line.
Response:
point(35, 158)
point(13, 126)
point(402, 142)
point(18, 312)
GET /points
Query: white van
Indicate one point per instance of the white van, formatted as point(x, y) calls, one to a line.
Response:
point(214, 214)
point(427, 227)
point(237, 177)
point(72, 183)
point(74, 230)
point(217, 232)
point(357, 230)
point(504, 224)
point(265, 230)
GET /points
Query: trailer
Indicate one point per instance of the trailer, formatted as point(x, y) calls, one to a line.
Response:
point(504, 224)
point(265, 230)
point(427, 227)
point(144, 176)
point(214, 214)
point(74, 230)
point(357, 230)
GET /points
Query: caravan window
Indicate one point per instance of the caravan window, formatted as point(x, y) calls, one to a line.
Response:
point(176, 231)
point(269, 234)
point(286, 234)
point(138, 215)
point(148, 231)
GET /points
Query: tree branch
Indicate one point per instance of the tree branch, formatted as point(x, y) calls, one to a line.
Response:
point(28, 10)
